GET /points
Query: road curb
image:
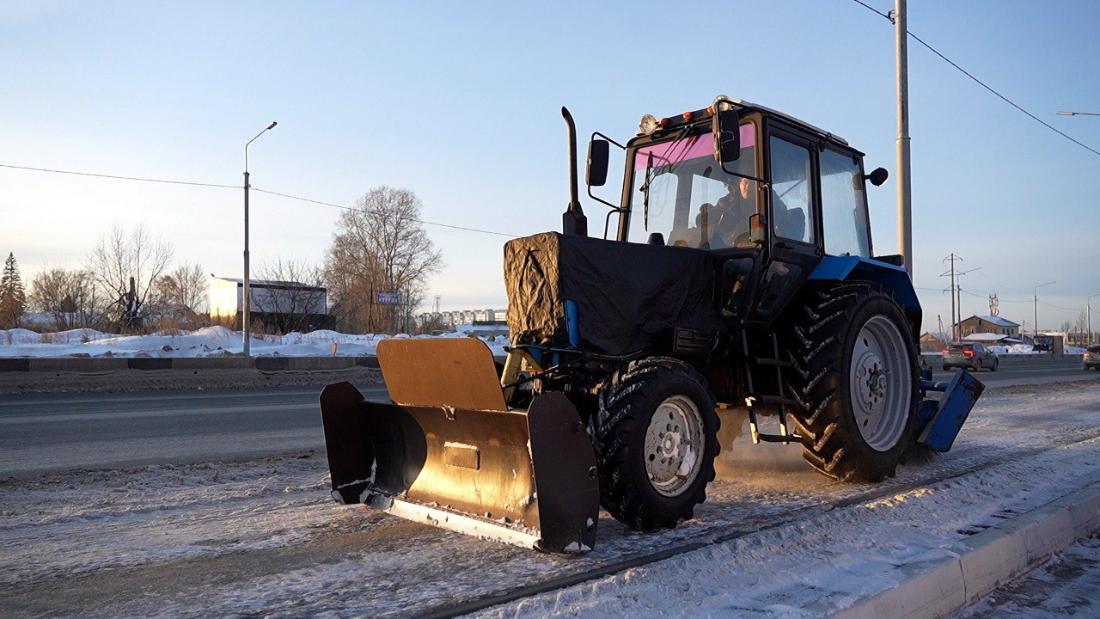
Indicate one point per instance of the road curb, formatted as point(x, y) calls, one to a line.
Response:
point(981, 563)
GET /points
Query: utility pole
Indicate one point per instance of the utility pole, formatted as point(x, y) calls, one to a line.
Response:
point(954, 323)
point(905, 194)
point(1035, 301)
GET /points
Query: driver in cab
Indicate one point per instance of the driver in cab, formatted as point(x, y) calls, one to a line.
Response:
point(727, 222)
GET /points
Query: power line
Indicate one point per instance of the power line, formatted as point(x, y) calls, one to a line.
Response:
point(935, 51)
point(352, 208)
point(874, 10)
point(1068, 309)
point(223, 186)
point(986, 296)
point(119, 177)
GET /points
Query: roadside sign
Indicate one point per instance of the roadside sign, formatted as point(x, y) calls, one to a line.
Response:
point(386, 298)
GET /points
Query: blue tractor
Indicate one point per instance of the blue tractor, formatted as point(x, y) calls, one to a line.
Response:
point(740, 282)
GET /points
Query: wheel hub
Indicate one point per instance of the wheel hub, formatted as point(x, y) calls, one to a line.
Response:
point(673, 442)
point(879, 380)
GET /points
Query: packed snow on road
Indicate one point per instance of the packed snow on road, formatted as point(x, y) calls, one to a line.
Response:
point(263, 536)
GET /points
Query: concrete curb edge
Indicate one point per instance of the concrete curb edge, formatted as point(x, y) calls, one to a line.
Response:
point(985, 561)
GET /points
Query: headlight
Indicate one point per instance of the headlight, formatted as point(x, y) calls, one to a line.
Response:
point(648, 125)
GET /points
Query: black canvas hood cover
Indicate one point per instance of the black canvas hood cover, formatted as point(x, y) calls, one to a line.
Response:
point(629, 296)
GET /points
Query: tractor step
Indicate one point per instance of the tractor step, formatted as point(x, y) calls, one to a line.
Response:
point(774, 399)
point(778, 438)
point(779, 363)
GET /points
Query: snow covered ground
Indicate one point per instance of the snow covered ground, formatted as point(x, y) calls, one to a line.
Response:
point(205, 342)
point(262, 537)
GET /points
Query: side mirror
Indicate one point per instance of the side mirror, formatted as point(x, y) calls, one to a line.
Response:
point(595, 174)
point(877, 176)
point(726, 128)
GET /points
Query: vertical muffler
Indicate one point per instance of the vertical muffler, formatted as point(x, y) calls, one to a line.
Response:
point(447, 451)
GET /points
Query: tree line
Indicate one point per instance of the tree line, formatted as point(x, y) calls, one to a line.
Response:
point(375, 271)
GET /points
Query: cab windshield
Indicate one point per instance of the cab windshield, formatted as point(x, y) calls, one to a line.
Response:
point(681, 192)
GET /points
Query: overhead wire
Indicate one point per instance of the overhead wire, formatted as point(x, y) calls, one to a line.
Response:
point(145, 179)
point(142, 179)
point(352, 208)
point(1068, 309)
point(890, 18)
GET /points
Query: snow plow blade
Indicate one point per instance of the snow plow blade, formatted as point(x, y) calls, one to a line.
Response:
point(447, 451)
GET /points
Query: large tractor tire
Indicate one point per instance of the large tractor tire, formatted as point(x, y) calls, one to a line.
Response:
point(655, 437)
point(856, 381)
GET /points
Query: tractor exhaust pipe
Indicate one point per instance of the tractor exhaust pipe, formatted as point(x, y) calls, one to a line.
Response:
point(574, 223)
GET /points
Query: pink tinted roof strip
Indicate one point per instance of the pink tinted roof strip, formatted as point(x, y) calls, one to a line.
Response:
point(692, 147)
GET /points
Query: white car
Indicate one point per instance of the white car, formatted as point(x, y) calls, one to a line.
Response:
point(1091, 358)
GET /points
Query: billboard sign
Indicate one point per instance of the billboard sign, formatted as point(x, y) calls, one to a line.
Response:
point(386, 298)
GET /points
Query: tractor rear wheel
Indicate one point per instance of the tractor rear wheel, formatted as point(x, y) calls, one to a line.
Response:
point(655, 437)
point(856, 381)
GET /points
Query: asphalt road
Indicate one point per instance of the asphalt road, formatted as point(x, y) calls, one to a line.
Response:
point(1026, 372)
point(51, 432)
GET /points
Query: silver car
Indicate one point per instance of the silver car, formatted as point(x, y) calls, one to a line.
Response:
point(972, 356)
point(1091, 358)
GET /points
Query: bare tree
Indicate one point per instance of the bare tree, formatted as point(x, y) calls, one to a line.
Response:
point(380, 246)
point(69, 297)
point(125, 264)
point(289, 296)
point(180, 296)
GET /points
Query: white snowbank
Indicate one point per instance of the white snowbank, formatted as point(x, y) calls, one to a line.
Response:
point(205, 342)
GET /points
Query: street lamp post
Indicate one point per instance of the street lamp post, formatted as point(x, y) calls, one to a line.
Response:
point(959, 297)
point(1035, 299)
point(247, 309)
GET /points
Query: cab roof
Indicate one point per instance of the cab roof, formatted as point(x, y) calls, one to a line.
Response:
point(749, 105)
point(678, 121)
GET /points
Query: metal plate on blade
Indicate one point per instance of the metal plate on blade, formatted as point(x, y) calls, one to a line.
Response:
point(456, 373)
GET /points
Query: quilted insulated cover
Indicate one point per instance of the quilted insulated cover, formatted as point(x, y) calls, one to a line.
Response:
point(629, 296)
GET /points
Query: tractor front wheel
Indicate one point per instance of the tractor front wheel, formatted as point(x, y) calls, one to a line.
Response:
point(656, 440)
point(856, 381)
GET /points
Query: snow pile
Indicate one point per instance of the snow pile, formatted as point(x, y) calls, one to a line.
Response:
point(1014, 349)
point(205, 342)
point(12, 337)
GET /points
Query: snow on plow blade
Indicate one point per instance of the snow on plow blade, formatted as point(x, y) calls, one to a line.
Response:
point(447, 451)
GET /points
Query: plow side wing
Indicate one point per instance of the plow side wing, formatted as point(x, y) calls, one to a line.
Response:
point(944, 419)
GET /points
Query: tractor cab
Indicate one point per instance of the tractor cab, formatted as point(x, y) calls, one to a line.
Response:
point(769, 196)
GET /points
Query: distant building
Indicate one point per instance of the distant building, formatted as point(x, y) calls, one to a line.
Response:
point(991, 338)
point(275, 305)
point(450, 320)
point(988, 324)
point(931, 343)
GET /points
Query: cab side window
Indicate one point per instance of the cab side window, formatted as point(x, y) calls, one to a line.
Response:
point(791, 191)
point(843, 206)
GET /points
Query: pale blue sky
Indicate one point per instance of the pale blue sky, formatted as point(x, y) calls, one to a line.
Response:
point(459, 102)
